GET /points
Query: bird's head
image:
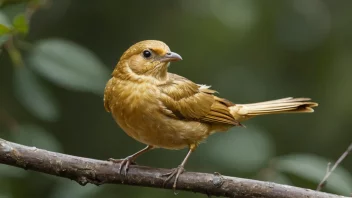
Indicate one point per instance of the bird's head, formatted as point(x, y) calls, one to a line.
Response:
point(149, 58)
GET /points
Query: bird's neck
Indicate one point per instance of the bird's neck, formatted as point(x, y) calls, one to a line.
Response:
point(122, 71)
point(162, 74)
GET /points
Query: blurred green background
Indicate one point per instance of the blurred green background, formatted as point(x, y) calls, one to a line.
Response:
point(53, 72)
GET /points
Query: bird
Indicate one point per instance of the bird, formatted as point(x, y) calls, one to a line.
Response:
point(165, 110)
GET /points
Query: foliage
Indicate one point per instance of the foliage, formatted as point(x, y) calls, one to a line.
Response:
point(69, 65)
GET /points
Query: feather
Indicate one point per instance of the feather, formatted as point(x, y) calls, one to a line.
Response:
point(191, 101)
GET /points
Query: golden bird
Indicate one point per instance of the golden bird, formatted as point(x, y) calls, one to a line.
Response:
point(165, 110)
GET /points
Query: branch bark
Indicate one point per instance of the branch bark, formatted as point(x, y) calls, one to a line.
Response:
point(84, 170)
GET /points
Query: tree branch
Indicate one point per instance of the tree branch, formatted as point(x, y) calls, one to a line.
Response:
point(330, 170)
point(84, 170)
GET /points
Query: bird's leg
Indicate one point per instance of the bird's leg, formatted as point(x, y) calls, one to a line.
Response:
point(180, 169)
point(125, 163)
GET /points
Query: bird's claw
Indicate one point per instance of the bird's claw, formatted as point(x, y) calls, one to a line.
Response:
point(176, 172)
point(124, 164)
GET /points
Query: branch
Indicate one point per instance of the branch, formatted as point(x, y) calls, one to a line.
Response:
point(329, 171)
point(84, 170)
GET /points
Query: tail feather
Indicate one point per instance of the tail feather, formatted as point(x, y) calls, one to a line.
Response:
point(243, 112)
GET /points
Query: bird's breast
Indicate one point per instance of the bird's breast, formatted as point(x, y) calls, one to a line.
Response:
point(139, 112)
point(136, 109)
point(133, 103)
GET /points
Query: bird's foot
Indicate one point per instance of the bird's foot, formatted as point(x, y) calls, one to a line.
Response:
point(124, 164)
point(176, 172)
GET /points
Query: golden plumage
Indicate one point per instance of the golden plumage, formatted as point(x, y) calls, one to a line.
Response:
point(165, 110)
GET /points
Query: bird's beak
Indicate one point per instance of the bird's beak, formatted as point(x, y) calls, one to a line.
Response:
point(171, 57)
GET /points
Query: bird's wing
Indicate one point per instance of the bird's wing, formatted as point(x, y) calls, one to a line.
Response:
point(186, 100)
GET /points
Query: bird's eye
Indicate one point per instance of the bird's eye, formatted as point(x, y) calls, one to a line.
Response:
point(147, 54)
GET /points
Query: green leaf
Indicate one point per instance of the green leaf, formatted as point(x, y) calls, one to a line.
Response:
point(12, 172)
point(271, 174)
point(244, 150)
point(6, 194)
point(4, 30)
point(15, 55)
point(31, 93)
point(4, 20)
point(66, 189)
point(33, 135)
point(11, 11)
point(313, 168)
point(69, 65)
point(20, 24)
point(280, 178)
point(240, 15)
point(3, 39)
point(6, 185)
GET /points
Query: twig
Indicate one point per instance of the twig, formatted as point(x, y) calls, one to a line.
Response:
point(84, 170)
point(329, 171)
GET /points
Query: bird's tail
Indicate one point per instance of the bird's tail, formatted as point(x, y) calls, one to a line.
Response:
point(243, 112)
